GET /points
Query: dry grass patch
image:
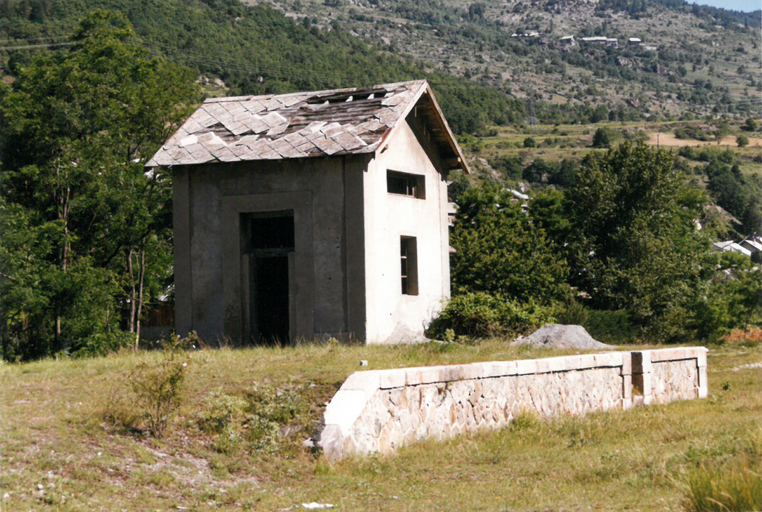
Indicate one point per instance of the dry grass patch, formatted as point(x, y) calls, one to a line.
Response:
point(236, 441)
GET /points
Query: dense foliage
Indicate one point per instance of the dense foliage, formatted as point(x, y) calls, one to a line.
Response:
point(86, 232)
point(634, 246)
point(258, 50)
point(499, 250)
point(627, 230)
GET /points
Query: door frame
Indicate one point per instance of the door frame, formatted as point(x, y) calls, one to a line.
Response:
point(235, 269)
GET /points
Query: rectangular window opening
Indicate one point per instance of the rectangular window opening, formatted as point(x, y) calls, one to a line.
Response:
point(402, 183)
point(409, 265)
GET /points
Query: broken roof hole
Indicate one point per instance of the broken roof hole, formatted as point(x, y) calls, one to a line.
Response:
point(344, 96)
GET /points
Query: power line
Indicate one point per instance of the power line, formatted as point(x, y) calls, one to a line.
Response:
point(35, 46)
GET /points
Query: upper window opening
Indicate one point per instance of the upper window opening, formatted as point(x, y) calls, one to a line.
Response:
point(413, 185)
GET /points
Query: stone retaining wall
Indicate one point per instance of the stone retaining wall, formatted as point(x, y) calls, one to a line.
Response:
point(380, 410)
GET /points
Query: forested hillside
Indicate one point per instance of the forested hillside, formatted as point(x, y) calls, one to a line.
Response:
point(253, 50)
point(693, 61)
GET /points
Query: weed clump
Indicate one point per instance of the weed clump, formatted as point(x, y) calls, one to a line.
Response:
point(153, 393)
point(733, 485)
point(260, 421)
point(157, 389)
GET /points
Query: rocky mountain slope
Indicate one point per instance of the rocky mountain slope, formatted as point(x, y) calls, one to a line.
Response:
point(690, 59)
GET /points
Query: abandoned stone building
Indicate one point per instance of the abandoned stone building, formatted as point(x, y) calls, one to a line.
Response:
point(312, 214)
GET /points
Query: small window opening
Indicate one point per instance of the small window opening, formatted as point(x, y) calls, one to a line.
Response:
point(409, 265)
point(413, 185)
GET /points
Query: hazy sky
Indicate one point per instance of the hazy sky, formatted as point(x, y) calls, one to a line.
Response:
point(737, 5)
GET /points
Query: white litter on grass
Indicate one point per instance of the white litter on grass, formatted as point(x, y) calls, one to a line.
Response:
point(747, 366)
point(316, 506)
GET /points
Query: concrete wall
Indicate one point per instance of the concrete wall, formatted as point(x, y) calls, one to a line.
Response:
point(381, 410)
point(347, 241)
point(329, 241)
point(392, 316)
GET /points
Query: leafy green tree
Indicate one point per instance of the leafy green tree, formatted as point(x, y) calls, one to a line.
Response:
point(632, 244)
point(87, 230)
point(501, 252)
point(603, 138)
point(731, 299)
point(742, 140)
point(750, 125)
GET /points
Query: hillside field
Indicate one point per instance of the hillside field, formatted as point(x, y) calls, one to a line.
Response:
point(64, 450)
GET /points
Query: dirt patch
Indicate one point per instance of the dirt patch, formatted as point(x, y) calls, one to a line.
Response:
point(669, 139)
point(561, 336)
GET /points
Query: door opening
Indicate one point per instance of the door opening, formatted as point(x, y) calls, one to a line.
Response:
point(269, 247)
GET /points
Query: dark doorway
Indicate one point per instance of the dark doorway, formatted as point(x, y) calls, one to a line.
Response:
point(269, 245)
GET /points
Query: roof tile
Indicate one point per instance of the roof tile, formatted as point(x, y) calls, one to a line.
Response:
point(296, 125)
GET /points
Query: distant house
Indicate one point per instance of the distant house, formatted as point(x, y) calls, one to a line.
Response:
point(753, 245)
point(595, 40)
point(634, 41)
point(731, 247)
point(312, 214)
point(612, 41)
point(569, 40)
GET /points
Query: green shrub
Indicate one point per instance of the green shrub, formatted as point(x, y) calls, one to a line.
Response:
point(481, 314)
point(529, 142)
point(694, 131)
point(270, 409)
point(742, 140)
point(750, 125)
point(220, 411)
point(157, 389)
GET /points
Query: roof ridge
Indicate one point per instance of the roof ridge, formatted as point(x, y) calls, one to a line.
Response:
point(223, 99)
point(348, 121)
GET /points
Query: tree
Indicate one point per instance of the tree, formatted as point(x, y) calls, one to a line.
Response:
point(501, 252)
point(603, 138)
point(750, 125)
point(78, 126)
point(632, 244)
point(742, 140)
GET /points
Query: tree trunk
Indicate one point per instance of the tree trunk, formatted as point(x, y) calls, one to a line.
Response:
point(131, 323)
point(141, 282)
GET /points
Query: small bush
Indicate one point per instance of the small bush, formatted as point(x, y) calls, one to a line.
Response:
point(220, 412)
point(742, 140)
point(270, 411)
point(157, 389)
point(695, 132)
point(750, 125)
point(529, 142)
point(482, 315)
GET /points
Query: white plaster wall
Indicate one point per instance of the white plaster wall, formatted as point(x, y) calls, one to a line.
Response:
point(391, 316)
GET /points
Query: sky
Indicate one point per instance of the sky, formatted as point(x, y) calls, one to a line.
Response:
point(736, 5)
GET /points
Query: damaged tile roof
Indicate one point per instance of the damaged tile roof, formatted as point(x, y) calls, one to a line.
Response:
point(297, 125)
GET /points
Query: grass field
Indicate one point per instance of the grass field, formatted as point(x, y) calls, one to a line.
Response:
point(62, 450)
point(554, 143)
